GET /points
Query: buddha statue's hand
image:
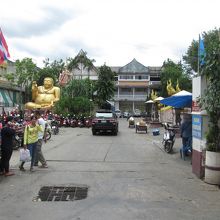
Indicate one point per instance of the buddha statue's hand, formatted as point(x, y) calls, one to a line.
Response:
point(51, 104)
point(34, 85)
point(47, 105)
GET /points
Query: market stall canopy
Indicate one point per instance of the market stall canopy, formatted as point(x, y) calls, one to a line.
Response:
point(159, 98)
point(5, 98)
point(181, 99)
point(149, 101)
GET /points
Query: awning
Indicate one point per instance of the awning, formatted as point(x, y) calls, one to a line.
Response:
point(159, 98)
point(5, 99)
point(149, 102)
point(181, 99)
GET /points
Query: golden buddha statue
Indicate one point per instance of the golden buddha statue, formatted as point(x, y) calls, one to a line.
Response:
point(44, 96)
point(170, 89)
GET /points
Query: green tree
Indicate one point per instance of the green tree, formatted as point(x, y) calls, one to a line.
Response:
point(81, 106)
point(79, 87)
point(176, 73)
point(51, 69)
point(211, 100)
point(26, 72)
point(210, 38)
point(105, 85)
point(76, 97)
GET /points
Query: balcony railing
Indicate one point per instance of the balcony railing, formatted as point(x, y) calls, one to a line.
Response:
point(154, 82)
point(130, 97)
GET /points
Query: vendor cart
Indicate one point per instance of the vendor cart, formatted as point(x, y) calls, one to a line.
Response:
point(141, 127)
point(131, 122)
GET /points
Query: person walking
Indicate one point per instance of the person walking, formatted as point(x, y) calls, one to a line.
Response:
point(30, 141)
point(7, 135)
point(41, 136)
point(186, 132)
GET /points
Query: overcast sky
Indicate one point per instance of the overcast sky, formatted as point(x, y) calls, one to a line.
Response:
point(110, 31)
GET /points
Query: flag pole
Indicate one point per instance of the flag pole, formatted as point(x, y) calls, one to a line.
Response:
point(198, 61)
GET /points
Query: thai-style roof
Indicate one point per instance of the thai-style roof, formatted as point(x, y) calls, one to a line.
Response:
point(134, 67)
point(115, 68)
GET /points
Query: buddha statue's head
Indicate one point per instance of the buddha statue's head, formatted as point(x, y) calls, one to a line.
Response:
point(48, 82)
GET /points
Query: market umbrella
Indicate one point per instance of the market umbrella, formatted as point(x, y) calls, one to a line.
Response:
point(149, 101)
point(179, 100)
point(159, 98)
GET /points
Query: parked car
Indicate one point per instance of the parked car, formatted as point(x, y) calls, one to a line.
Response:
point(105, 121)
point(118, 113)
point(126, 114)
point(137, 113)
point(143, 114)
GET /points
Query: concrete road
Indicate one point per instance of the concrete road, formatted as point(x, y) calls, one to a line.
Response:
point(128, 177)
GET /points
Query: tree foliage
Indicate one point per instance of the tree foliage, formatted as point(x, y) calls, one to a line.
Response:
point(79, 105)
point(76, 97)
point(210, 101)
point(176, 73)
point(79, 87)
point(105, 86)
point(26, 72)
point(210, 39)
point(51, 69)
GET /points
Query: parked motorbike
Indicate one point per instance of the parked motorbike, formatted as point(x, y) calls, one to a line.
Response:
point(88, 123)
point(73, 123)
point(18, 140)
point(47, 131)
point(54, 127)
point(80, 124)
point(168, 138)
point(66, 122)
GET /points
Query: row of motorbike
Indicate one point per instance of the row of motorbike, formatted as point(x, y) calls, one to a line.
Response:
point(75, 122)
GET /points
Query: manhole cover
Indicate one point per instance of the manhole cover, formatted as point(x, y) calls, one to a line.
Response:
point(61, 193)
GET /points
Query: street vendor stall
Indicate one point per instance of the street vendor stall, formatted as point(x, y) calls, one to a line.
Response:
point(141, 126)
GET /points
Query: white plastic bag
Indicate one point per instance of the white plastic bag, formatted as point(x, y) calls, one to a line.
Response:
point(25, 155)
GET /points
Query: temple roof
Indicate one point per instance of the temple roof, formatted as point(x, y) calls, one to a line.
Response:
point(134, 67)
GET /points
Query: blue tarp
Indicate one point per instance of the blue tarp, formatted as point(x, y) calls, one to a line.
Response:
point(178, 101)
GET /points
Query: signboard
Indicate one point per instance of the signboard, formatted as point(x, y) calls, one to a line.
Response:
point(197, 126)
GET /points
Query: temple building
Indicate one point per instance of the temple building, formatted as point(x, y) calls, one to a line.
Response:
point(134, 84)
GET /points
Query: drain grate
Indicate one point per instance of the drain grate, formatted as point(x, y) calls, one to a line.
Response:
point(61, 193)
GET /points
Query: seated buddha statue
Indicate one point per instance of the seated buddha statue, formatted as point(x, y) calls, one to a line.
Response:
point(45, 96)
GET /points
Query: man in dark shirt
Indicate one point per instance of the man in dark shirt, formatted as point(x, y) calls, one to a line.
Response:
point(7, 135)
point(186, 130)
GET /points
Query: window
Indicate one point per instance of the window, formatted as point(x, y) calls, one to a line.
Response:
point(126, 77)
point(141, 77)
point(126, 90)
point(143, 90)
point(104, 115)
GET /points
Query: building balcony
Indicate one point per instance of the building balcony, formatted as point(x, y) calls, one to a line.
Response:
point(154, 84)
point(132, 84)
point(135, 97)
